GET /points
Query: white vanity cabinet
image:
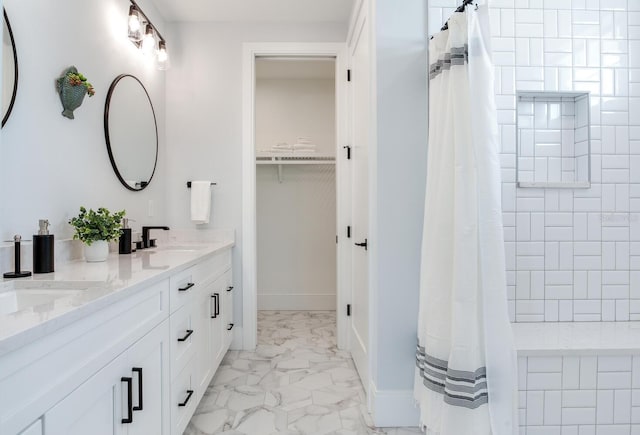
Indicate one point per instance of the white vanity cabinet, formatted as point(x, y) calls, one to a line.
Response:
point(138, 366)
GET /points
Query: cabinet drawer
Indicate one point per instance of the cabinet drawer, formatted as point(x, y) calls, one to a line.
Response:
point(182, 287)
point(213, 266)
point(183, 398)
point(184, 336)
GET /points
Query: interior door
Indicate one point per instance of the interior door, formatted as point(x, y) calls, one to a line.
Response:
point(360, 98)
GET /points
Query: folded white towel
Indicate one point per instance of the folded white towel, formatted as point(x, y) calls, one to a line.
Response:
point(304, 150)
point(200, 201)
point(304, 146)
point(304, 139)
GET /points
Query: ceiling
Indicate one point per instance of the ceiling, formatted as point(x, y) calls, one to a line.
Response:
point(256, 10)
point(295, 68)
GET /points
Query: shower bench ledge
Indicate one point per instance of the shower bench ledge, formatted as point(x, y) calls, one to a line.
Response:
point(577, 338)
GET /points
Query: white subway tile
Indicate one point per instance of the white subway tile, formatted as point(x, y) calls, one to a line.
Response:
point(579, 399)
point(552, 255)
point(618, 380)
point(578, 416)
point(605, 406)
point(614, 363)
point(622, 310)
point(608, 310)
point(571, 374)
point(566, 311)
point(622, 409)
point(552, 407)
point(595, 284)
point(580, 284)
point(618, 429)
point(588, 373)
point(587, 307)
point(535, 407)
point(552, 364)
point(530, 307)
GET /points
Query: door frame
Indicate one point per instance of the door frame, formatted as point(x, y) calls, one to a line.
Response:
point(250, 51)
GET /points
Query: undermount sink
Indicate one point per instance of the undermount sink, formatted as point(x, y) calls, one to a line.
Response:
point(18, 300)
point(22, 295)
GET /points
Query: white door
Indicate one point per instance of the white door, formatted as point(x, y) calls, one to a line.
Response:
point(360, 97)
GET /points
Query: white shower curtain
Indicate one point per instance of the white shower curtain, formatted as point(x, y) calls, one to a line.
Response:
point(465, 361)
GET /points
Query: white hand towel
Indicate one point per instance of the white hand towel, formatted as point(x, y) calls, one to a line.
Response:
point(200, 201)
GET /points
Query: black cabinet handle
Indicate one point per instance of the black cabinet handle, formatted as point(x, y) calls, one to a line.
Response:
point(129, 382)
point(364, 244)
point(229, 288)
point(189, 394)
point(187, 335)
point(138, 370)
point(230, 327)
point(186, 287)
point(216, 305)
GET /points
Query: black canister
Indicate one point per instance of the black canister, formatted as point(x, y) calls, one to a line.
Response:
point(125, 243)
point(43, 249)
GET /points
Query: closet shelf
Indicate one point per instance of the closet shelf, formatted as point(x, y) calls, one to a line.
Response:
point(293, 160)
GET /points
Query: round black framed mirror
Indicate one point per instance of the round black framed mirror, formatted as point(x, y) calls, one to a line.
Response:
point(131, 132)
point(9, 69)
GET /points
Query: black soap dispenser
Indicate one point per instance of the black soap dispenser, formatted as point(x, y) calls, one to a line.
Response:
point(125, 243)
point(43, 249)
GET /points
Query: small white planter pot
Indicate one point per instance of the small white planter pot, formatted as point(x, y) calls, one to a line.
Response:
point(96, 252)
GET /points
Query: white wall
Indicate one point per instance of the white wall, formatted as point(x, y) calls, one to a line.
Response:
point(296, 237)
point(289, 108)
point(204, 113)
point(401, 154)
point(51, 165)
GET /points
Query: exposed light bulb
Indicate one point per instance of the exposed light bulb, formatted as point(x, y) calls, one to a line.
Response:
point(149, 40)
point(162, 56)
point(135, 25)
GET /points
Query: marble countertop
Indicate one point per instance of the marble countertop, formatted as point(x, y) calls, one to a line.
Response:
point(578, 338)
point(98, 285)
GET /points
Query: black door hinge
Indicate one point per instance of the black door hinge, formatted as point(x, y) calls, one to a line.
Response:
point(348, 310)
point(348, 148)
point(348, 75)
point(348, 231)
point(336, 238)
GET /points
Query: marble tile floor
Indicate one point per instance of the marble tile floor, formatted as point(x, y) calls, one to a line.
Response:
point(296, 382)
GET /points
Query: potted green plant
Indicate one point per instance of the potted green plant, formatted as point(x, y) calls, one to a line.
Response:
point(72, 87)
point(96, 229)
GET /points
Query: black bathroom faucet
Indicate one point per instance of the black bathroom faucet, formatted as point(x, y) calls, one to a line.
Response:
point(145, 235)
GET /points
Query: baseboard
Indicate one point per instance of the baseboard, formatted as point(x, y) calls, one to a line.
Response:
point(393, 408)
point(309, 302)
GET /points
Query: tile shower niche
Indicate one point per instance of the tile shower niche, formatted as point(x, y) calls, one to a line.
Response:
point(553, 140)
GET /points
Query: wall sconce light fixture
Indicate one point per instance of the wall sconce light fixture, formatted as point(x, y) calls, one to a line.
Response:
point(144, 35)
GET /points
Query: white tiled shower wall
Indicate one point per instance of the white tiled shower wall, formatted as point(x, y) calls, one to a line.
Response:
point(579, 395)
point(572, 255)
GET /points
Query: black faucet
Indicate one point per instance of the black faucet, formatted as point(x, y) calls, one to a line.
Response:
point(145, 235)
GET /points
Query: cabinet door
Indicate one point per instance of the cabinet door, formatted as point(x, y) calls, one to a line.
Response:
point(101, 405)
point(95, 407)
point(204, 310)
point(149, 367)
point(218, 327)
